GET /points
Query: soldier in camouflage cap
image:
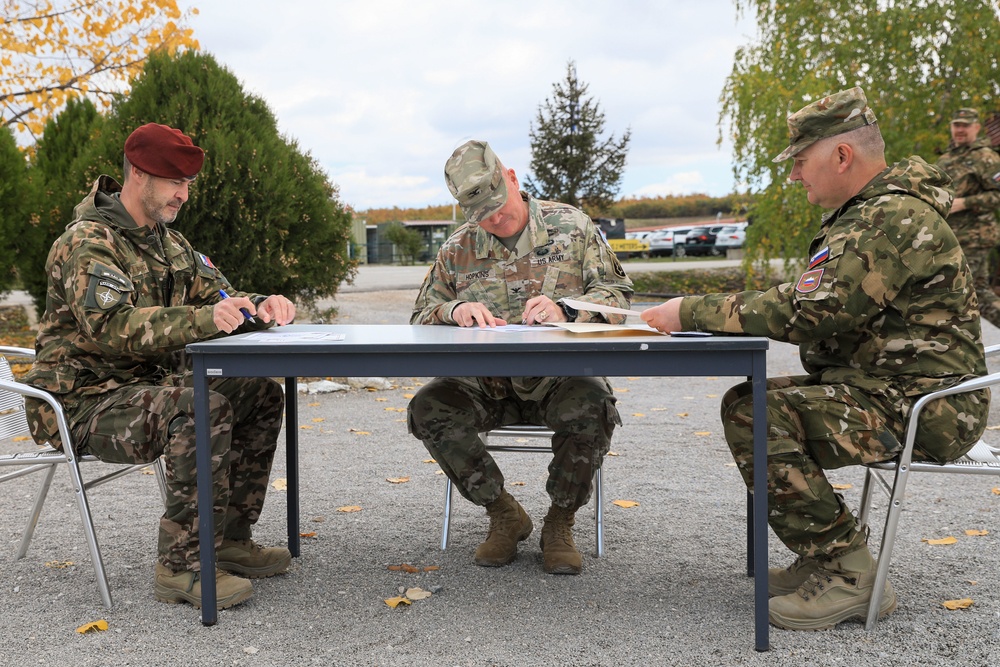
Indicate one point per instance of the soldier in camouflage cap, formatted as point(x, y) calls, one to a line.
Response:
point(974, 168)
point(883, 314)
point(514, 260)
point(125, 294)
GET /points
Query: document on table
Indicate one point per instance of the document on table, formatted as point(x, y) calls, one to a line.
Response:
point(579, 328)
point(599, 308)
point(293, 337)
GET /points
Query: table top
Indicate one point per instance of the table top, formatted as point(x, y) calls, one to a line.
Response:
point(408, 339)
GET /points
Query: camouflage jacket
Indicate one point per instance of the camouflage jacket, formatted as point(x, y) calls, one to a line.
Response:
point(122, 300)
point(559, 254)
point(886, 302)
point(975, 175)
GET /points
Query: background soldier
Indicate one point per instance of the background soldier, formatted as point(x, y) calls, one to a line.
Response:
point(513, 261)
point(974, 168)
point(125, 294)
point(883, 314)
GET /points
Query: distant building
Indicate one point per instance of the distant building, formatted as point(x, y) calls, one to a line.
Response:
point(435, 233)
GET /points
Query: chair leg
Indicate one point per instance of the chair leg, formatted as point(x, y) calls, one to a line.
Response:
point(447, 513)
point(160, 468)
point(91, 535)
point(866, 497)
point(885, 549)
point(36, 510)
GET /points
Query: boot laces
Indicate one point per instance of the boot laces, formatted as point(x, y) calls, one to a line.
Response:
point(819, 580)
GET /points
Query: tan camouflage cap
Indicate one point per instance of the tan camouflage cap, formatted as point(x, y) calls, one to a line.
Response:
point(475, 177)
point(965, 116)
point(830, 116)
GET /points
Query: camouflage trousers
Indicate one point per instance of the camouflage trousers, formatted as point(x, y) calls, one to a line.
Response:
point(448, 414)
point(138, 423)
point(815, 427)
point(979, 265)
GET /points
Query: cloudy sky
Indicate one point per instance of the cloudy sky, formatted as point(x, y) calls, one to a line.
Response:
point(381, 91)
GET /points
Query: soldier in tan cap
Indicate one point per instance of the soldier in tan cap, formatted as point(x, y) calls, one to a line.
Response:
point(125, 293)
point(974, 168)
point(514, 260)
point(883, 314)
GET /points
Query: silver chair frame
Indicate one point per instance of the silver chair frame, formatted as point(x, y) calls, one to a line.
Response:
point(13, 422)
point(529, 431)
point(982, 459)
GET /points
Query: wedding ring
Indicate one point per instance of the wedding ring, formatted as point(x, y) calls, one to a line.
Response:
point(542, 315)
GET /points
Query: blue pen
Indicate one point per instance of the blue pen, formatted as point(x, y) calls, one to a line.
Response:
point(223, 294)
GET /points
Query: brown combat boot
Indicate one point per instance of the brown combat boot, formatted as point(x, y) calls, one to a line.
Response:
point(174, 587)
point(839, 589)
point(559, 554)
point(248, 559)
point(509, 524)
point(785, 580)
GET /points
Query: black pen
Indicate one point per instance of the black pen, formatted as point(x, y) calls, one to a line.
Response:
point(223, 294)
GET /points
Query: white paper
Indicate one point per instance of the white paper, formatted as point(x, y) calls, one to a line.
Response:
point(598, 308)
point(292, 337)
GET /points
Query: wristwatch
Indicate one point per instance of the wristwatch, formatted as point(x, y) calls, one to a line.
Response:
point(570, 313)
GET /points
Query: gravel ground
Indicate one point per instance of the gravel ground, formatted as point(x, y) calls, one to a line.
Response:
point(670, 590)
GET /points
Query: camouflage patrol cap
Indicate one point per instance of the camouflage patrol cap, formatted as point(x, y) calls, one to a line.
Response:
point(475, 177)
point(827, 117)
point(965, 116)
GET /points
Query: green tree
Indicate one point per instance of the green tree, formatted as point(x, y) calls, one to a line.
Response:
point(570, 161)
point(261, 208)
point(59, 159)
point(917, 62)
point(409, 242)
point(14, 191)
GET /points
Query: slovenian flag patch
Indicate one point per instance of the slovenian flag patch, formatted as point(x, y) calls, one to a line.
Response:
point(809, 281)
point(819, 257)
point(205, 260)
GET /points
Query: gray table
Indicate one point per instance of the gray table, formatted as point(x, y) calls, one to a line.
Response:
point(430, 351)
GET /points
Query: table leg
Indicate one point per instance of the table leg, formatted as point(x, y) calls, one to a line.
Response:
point(292, 462)
point(759, 383)
point(206, 503)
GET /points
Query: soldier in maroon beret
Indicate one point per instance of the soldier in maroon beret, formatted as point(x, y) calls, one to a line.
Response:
point(125, 294)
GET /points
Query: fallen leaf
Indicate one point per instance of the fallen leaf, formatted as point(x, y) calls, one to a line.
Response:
point(21, 438)
point(59, 564)
point(709, 377)
point(371, 390)
point(396, 601)
point(682, 414)
point(394, 568)
point(147, 471)
point(349, 508)
point(517, 483)
point(351, 430)
point(318, 419)
point(711, 395)
point(313, 405)
point(280, 484)
point(610, 453)
point(972, 581)
point(632, 379)
point(943, 540)
point(406, 567)
point(306, 427)
point(397, 480)
point(625, 503)
point(977, 533)
point(993, 428)
point(432, 568)
point(623, 391)
point(417, 593)
point(312, 534)
point(100, 626)
point(964, 603)
point(996, 490)
point(703, 433)
point(730, 465)
point(429, 461)
point(395, 409)
point(842, 487)
point(439, 472)
point(321, 518)
point(660, 409)
point(407, 395)
point(381, 400)
point(638, 414)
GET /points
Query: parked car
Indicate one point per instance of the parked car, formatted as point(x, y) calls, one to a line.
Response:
point(699, 241)
point(731, 236)
point(663, 241)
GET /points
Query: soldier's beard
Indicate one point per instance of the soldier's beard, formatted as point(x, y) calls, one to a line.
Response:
point(163, 212)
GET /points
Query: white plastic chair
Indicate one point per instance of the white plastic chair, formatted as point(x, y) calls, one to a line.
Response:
point(529, 431)
point(982, 459)
point(14, 423)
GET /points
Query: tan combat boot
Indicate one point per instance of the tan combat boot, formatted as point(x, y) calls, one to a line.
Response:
point(785, 580)
point(509, 524)
point(839, 589)
point(174, 587)
point(559, 554)
point(247, 559)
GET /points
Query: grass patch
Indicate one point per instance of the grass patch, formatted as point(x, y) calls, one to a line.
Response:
point(696, 281)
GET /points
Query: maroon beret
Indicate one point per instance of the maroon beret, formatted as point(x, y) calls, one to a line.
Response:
point(164, 152)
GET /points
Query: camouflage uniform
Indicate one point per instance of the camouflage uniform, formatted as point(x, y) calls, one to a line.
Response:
point(882, 315)
point(975, 175)
point(122, 302)
point(559, 254)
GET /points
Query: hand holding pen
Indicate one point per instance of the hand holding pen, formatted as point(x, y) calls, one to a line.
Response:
point(223, 316)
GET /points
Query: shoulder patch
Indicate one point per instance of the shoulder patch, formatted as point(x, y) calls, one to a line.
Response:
point(809, 281)
point(996, 177)
point(107, 288)
point(819, 257)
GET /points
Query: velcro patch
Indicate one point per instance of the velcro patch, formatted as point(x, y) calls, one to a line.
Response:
point(809, 281)
point(996, 177)
point(107, 288)
point(819, 257)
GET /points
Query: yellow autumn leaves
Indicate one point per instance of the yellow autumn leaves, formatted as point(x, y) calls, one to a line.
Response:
point(963, 603)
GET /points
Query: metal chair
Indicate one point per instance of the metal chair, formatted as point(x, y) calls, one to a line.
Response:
point(982, 459)
point(529, 431)
point(14, 424)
